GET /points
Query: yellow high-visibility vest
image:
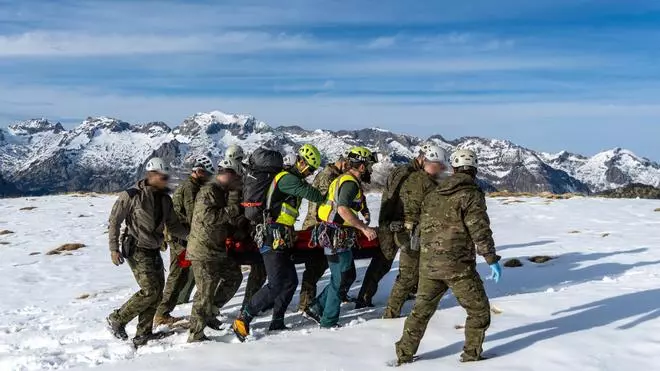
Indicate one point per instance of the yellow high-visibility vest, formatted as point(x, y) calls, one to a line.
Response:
point(288, 213)
point(328, 211)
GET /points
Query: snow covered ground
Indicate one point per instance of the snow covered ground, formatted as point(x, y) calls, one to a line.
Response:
point(594, 307)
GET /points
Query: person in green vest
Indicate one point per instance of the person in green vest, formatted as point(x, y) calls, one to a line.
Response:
point(338, 232)
point(282, 204)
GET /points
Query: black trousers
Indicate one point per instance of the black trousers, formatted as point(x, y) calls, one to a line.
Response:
point(282, 283)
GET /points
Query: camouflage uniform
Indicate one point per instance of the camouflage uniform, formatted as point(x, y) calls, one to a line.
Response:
point(179, 279)
point(314, 269)
point(413, 191)
point(212, 218)
point(391, 210)
point(256, 277)
point(146, 214)
point(454, 221)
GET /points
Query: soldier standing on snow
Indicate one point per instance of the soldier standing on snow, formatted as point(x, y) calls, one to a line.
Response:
point(180, 279)
point(413, 191)
point(454, 222)
point(390, 225)
point(242, 231)
point(147, 209)
point(215, 213)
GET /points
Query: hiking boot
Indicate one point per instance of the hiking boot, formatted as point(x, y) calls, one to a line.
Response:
point(214, 323)
point(277, 325)
point(309, 313)
point(140, 340)
point(331, 327)
point(347, 299)
point(389, 314)
point(198, 338)
point(166, 319)
point(117, 328)
point(241, 328)
point(470, 358)
point(361, 304)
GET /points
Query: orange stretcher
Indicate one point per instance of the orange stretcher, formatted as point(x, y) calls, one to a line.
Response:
point(247, 252)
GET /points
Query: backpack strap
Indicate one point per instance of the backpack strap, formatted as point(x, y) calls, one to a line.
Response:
point(132, 192)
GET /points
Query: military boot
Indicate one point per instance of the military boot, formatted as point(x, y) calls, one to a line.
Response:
point(117, 328)
point(214, 323)
point(166, 320)
point(361, 304)
point(277, 325)
point(309, 313)
point(465, 357)
point(198, 338)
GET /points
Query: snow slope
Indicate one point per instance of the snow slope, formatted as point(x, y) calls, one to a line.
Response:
point(595, 307)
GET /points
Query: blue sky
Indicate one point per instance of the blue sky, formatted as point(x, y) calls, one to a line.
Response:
point(548, 74)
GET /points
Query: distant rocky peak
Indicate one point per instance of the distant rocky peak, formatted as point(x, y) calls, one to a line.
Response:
point(153, 128)
point(213, 122)
point(35, 126)
point(114, 125)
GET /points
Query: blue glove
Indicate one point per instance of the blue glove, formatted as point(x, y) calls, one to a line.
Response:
point(497, 272)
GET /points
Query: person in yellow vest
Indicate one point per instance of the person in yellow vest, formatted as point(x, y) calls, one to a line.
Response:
point(282, 203)
point(337, 232)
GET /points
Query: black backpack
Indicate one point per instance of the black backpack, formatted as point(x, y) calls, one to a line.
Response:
point(263, 165)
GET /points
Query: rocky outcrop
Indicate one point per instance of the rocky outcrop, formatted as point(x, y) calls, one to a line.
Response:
point(635, 190)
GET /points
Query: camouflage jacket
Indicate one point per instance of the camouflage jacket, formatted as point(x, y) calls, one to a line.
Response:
point(322, 183)
point(391, 205)
point(413, 191)
point(146, 214)
point(454, 221)
point(212, 221)
point(184, 199)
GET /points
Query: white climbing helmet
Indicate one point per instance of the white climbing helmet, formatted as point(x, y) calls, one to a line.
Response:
point(229, 164)
point(235, 152)
point(464, 157)
point(433, 153)
point(158, 165)
point(290, 159)
point(203, 163)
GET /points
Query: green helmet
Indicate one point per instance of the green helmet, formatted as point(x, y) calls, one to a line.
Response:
point(311, 155)
point(361, 154)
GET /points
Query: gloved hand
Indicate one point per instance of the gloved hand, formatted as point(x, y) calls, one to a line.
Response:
point(497, 272)
point(116, 257)
point(409, 226)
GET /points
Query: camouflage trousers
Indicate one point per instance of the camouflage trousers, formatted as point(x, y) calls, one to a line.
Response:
point(405, 284)
point(379, 265)
point(147, 267)
point(209, 276)
point(470, 293)
point(177, 281)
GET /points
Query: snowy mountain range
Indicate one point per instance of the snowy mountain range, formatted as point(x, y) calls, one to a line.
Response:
point(104, 154)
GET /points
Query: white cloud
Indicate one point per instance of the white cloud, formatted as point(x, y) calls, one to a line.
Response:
point(382, 42)
point(41, 43)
